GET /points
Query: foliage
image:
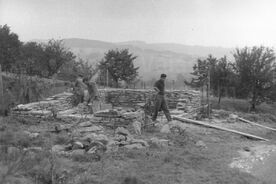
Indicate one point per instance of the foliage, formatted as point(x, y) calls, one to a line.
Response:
point(251, 75)
point(55, 56)
point(255, 67)
point(9, 48)
point(70, 70)
point(31, 59)
point(200, 73)
point(119, 65)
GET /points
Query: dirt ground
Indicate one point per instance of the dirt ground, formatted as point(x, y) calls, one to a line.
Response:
point(197, 155)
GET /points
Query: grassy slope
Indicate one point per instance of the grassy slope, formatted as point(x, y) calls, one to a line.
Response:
point(182, 162)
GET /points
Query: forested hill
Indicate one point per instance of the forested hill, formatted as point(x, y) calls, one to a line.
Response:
point(153, 59)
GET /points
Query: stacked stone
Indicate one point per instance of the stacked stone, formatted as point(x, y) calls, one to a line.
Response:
point(126, 97)
point(114, 118)
point(187, 100)
point(44, 108)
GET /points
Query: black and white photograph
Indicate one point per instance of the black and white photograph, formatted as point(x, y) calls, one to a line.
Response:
point(137, 92)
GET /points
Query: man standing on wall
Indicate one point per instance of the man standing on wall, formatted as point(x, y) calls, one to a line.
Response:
point(160, 102)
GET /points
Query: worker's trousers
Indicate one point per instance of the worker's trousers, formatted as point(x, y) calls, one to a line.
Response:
point(160, 104)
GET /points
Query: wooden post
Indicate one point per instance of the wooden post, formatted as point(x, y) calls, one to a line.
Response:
point(173, 84)
point(2, 108)
point(107, 78)
point(208, 92)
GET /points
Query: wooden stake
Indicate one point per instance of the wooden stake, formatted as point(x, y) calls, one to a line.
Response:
point(220, 128)
point(2, 108)
point(252, 123)
point(208, 92)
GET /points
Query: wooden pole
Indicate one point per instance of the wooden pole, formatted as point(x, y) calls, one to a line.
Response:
point(252, 123)
point(220, 128)
point(107, 77)
point(208, 93)
point(2, 108)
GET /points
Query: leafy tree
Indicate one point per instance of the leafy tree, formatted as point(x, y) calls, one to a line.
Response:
point(201, 69)
point(255, 67)
point(70, 70)
point(55, 56)
point(200, 73)
point(223, 76)
point(43, 60)
point(119, 65)
point(221, 72)
point(31, 58)
point(9, 48)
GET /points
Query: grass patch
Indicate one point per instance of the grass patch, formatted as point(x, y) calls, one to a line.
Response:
point(62, 139)
point(241, 105)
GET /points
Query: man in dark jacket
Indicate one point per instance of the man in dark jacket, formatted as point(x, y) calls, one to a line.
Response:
point(160, 102)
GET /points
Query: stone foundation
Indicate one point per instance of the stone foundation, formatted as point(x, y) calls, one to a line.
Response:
point(187, 100)
point(59, 105)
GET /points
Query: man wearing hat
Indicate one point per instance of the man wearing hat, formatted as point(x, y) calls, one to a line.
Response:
point(160, 102)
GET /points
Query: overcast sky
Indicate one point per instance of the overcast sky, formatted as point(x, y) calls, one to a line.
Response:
point(227, 23)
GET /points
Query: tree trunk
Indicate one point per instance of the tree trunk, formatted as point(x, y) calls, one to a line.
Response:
point(219, 94)
point(116, 83)
point(2, 108)
point(208, 94)
point(254, 98)
point(219, 98)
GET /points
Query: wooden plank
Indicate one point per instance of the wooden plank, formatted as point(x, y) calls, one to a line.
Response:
point(252, 123)
point(219, 128)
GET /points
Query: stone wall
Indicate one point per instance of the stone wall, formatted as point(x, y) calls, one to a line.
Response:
point(187, 100)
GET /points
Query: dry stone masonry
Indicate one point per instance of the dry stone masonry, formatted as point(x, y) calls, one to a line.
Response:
point(60, 105)
point(116, 123)
point(187, 100)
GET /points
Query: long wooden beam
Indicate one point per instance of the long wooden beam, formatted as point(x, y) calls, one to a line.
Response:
point(219, 128)
point(252, 123)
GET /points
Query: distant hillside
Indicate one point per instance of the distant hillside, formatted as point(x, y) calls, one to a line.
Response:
point(153, 58)
point(197, 51)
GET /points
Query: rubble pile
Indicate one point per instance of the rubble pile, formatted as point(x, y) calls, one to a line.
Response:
point(93, 139)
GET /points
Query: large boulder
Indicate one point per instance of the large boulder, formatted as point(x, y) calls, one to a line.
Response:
point(232, 118)
point(160, 143)
point(165, 129)
point(137, 127)
point(94, 137)
point(31, 135)
point(122, 131)
point(58, 148)
point(93, 128)
point(77, 145)
point(85, 124)
point(77, 152)
point(134, 146)
point(140, 141)
point(97, 147)
point(201, 144)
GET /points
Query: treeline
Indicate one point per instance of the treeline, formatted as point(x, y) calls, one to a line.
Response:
point(54, 60)
point(46, 60)
point(250, 75)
